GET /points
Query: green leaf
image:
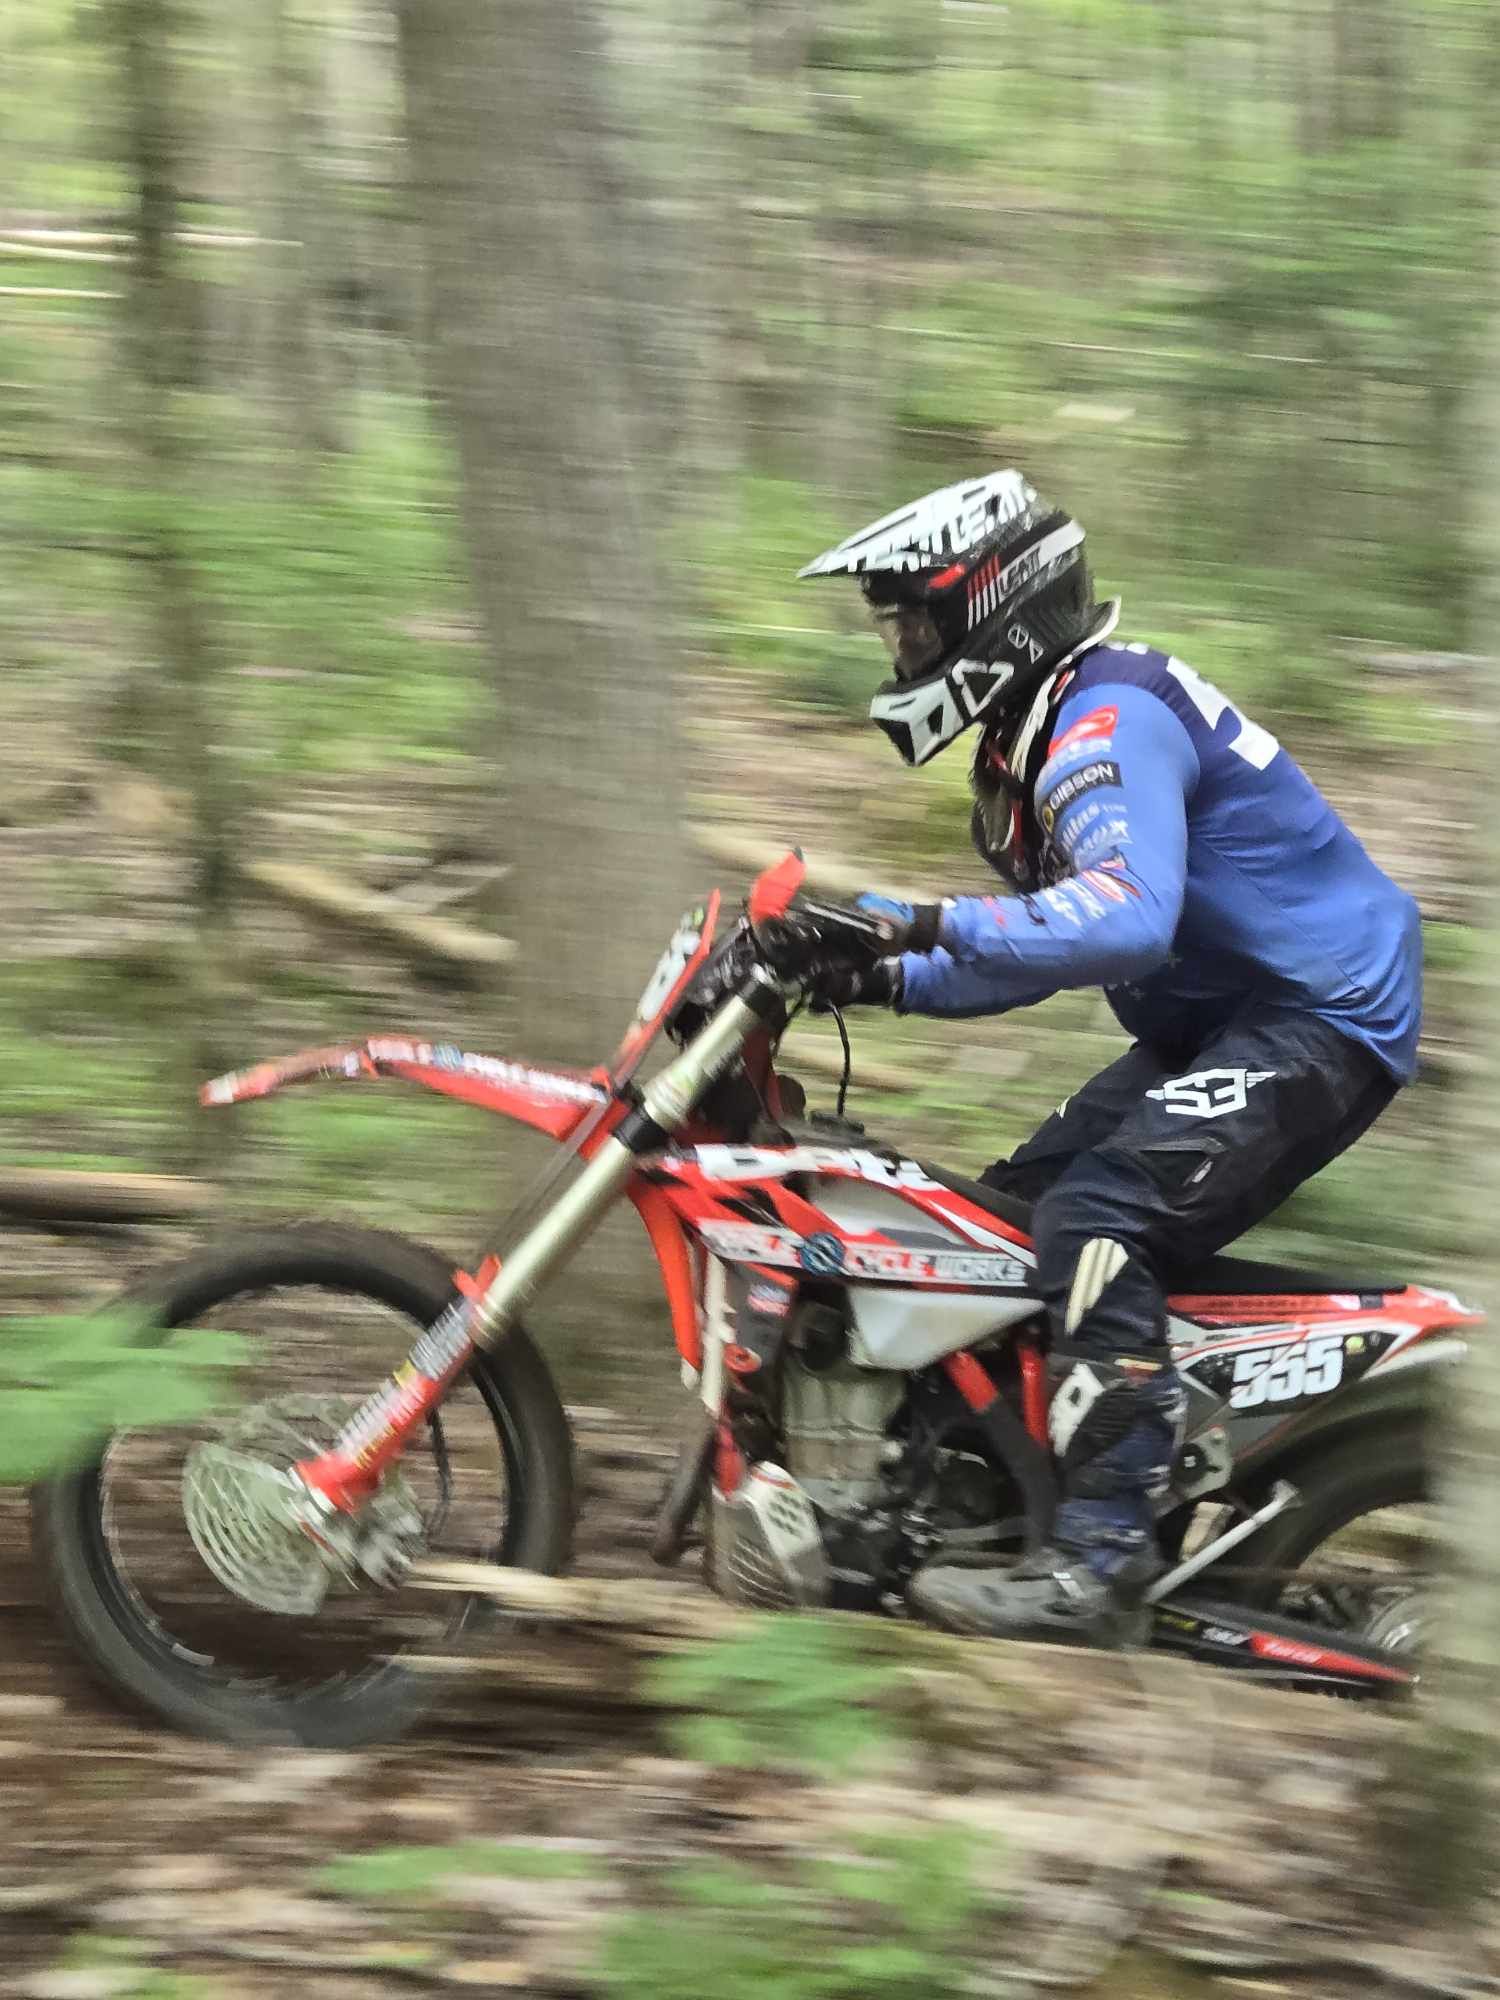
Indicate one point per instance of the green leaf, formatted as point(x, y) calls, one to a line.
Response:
point(417, 1874)
point(68, 1381)
point(789, 1692)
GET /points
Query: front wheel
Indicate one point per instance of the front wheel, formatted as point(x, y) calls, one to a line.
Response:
point(329, 1311)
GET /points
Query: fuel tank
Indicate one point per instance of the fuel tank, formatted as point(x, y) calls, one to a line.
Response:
point(906, 1326)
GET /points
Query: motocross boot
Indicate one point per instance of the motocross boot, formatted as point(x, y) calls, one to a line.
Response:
point(1115, 1427)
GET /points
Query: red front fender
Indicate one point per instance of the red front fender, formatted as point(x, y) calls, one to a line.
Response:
point(551, 1100)
point(554, 1101)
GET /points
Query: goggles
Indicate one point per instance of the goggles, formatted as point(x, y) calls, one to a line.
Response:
point(910, 636)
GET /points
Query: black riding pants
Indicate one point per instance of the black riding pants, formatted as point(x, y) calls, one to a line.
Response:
point(1154, 1165)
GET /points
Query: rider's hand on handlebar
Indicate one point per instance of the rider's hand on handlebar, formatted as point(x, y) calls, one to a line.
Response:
point(877, 985)
point(811, 936)
point(915, 925)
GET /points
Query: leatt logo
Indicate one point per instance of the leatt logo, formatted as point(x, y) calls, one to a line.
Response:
point(1021, 639)
point(1210, 1093)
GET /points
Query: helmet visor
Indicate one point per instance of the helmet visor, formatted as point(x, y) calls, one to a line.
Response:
point(910, 637)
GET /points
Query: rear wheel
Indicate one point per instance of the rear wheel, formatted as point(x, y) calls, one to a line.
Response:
point(330, 1310)
point(1355, 1556)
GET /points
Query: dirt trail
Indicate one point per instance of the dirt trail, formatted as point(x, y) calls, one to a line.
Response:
point(202, 1853)
point(1234, 1824)
point(1097, 1799)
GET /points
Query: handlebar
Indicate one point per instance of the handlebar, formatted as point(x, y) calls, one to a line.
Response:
point(795, 934)
point(795, 938)
point(813, 934)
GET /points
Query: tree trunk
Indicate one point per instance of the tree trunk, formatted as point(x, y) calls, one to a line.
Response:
point(298, 262)
point(169, 716)
point(507, 134)
point(369, 287)
point(1447, 1826)
point(511, 177)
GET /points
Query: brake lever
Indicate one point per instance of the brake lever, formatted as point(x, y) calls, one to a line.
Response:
point(810, 936)
point(786, 945)
point(875, 935)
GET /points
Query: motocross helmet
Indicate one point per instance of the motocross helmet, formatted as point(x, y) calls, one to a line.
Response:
point(980, 591)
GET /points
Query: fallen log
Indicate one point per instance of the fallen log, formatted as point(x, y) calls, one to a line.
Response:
point(625, 1603)
point(632, 1609)
point(50, 252)
point(52, 292)
point(642, 1617)
point(141, 805)
point(54, 1195)
point(428, 893)
point(203, 239)
point(318, 893)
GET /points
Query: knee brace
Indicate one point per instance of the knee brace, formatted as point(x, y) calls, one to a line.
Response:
point(1115, 1424)
point(1099, 1289)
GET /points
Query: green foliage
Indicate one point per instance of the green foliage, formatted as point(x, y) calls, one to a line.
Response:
point(1373, 1209)
point(54, 77)
point(406, 1956)
point(339, 602)
point(123, 1959)
point(341, 1141)
point(419, 1874)
point(67, 1381)
point(347, 593)
point(807, 639)
point(1451, 948)
point(787, 1692)
point(896, 1919)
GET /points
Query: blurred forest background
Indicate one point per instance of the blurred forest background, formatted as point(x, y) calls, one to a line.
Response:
point(412, 419)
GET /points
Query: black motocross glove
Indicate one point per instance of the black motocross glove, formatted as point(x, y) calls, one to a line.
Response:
point(842, 982)
point(916, 924)
point(877, 985)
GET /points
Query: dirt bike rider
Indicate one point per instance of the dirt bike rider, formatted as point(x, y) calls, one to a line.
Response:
point(1162, 846)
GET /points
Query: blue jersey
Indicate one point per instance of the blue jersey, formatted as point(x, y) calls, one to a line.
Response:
point(1204, 874)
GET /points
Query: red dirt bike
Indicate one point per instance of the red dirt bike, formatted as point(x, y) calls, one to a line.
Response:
point(862, 1334)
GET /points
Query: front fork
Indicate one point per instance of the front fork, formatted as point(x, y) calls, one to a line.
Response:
point(339, 1481)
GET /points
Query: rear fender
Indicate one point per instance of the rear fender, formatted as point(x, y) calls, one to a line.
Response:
point(1407, 1398)
point(549, 1100)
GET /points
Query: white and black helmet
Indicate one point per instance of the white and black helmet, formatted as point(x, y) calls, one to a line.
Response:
point(979, 590)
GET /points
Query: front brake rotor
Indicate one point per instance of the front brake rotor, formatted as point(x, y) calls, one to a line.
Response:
point(244, 1509)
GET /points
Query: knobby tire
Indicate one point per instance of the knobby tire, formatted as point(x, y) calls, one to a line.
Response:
point(109, 1625)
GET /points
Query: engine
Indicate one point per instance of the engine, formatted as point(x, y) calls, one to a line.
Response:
point(836, 1422)
point(864, 1490)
